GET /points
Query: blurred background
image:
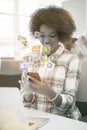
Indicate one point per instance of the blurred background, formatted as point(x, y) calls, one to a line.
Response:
point(15, 15)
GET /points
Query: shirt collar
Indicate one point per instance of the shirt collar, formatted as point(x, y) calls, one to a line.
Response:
point(58, 53)
point(60, 50)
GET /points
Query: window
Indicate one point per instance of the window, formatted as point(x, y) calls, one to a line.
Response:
point(14, 19)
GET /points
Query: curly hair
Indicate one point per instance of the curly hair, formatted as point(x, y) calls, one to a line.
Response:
point(56, 18)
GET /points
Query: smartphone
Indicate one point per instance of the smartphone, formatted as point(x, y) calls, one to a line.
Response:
point(34, 75)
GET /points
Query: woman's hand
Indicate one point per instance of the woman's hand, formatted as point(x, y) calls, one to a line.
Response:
point(28, 97)
point(41, 87)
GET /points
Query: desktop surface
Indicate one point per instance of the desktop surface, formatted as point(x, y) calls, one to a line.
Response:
point(56, 122)
point(12, 115)
point(10, 101)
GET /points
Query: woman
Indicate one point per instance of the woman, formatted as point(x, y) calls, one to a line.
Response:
point(56, 92)
point(80, 46)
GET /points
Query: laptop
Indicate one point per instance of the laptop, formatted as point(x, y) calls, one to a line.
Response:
point(12, 112)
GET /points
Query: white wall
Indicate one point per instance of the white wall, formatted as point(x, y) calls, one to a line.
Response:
point(86, 13)
point(82, 90)
point(78, 10)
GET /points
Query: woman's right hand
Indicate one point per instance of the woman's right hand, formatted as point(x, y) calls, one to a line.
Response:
point(28, 97)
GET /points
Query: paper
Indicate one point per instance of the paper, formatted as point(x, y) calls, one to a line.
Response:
point(36, 122)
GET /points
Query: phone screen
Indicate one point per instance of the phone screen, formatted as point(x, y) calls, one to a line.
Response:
point(34, 75)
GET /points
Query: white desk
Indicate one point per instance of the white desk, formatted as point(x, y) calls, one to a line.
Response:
point(10, 96)
point(57, 122)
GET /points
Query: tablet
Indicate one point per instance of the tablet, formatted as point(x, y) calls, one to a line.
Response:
point(36, 122)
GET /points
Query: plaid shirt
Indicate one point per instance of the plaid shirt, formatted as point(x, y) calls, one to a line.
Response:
point(63, 77)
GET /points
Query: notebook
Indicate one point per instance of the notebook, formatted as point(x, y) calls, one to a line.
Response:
point(12, 113)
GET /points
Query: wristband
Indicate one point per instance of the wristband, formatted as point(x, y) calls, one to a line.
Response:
point(33, 98)
point(53, 99)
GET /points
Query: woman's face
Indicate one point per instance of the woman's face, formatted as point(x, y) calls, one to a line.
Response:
point(49, 36)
